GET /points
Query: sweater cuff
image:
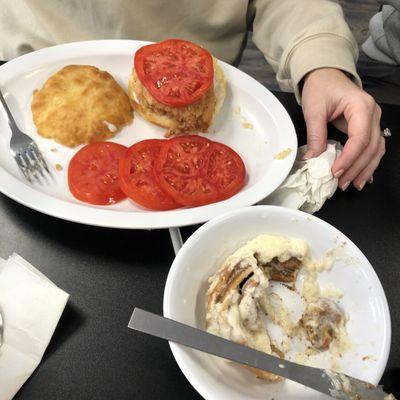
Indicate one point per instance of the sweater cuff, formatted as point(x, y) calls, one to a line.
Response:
point(321, 51)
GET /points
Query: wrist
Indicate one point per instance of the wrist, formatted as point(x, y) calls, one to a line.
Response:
point(323, 73)
point(324, 76)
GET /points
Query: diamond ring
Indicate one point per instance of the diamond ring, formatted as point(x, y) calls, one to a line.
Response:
point(386, 133)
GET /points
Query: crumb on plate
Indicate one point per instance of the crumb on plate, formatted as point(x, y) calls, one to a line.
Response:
point(283, 154)
point(369, 358)
point(247, 125)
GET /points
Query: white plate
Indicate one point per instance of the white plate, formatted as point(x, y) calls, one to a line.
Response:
point(364, 301)
point(272, 133)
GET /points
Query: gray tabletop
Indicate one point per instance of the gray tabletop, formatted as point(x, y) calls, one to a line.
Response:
point(108, 272)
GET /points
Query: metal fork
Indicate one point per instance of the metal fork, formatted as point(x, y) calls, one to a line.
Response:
point(25, 151)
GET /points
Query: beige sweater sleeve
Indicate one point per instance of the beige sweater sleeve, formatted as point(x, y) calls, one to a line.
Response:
point(298, 36)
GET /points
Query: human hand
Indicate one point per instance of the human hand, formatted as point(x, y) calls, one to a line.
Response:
point(330, 96)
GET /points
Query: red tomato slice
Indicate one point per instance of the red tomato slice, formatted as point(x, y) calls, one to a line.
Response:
point(225, 170)
point(176, 72)
point(196, 171)
point(137, 176)
point(93, 173)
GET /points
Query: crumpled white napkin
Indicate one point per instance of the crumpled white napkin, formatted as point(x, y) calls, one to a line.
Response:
point(31, 306)
point(310, 183)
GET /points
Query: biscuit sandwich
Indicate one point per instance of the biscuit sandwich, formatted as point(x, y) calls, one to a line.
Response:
point(177, 85)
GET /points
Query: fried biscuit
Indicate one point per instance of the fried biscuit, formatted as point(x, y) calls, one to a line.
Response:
point(80, 104)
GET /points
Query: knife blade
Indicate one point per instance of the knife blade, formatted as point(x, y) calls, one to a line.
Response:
point(334, 384)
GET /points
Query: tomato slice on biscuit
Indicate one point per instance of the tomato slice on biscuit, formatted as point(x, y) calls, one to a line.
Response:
point(176, 72)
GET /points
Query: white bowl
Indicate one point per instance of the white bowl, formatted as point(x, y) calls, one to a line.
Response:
point(364, 301)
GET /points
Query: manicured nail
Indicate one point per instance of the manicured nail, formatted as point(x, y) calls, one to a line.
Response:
point(338, 174)
point(370, 180)
point(360, 186)
point(345, 186)
point(309, 154)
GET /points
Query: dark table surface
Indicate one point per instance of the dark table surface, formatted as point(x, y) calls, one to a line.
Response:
point(93, 355)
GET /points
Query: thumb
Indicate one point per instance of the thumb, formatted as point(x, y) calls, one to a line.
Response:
point(317, 134)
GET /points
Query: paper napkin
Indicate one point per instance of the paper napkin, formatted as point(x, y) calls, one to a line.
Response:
point(31, 306)
point(310, 183)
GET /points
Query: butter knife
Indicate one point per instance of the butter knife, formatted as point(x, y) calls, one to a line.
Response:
point(334, 384)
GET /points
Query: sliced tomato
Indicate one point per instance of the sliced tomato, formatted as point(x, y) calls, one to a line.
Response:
point(93, 173)
point(184, 155)
point(137, 176)
point(176, 72)
point(225, 170)
point(196, 171)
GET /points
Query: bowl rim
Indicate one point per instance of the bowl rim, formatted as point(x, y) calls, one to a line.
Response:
point(177, 350)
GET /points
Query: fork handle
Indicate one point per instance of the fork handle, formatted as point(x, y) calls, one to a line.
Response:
point(11, 120)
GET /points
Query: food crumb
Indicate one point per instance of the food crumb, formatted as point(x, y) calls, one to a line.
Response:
point(59, 167)
point(367, 358)
point(54, 150)
point(283, 154)
point(247, 125)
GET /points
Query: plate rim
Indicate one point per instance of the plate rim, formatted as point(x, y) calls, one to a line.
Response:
point(28, 196)
point(177, 349)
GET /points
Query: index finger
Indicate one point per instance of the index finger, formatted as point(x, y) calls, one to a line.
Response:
point(359, 132)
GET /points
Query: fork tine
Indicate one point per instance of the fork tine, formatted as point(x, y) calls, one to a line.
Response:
point(22, 167)
point(30, 165)
point(35, 161)
point(35, 157)
point(40, 157)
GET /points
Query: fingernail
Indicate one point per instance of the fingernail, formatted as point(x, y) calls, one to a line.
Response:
point(309, 154)
point(360, 186)
point(370, 180)
point(345, 186)
point(338, 174)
